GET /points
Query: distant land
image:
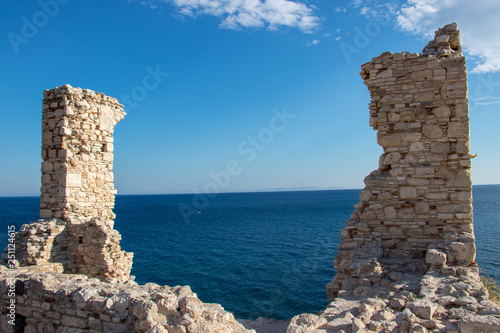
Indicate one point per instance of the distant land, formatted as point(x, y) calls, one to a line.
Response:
point(305, 188)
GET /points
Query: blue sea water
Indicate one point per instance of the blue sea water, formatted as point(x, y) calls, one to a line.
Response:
point(258, 254)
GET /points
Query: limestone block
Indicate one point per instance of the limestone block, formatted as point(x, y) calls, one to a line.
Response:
point(435, 257)
point(392, 98)
point(442, 39)
point(365, 195)
point(47, 166)
point(423, 308)
point(396, 231)
point(107, 157)
point(66, 131)
point(424, 75)
point(73, 180)
point(408, 192)
point(465, 252)
point(454, 90)
point(83, 295)
point(406, 213)
point(440, 147)
point(389, 140)
point(357, 325)
point(432, 131)
point(422, 207)
point(424, 97)
point(442, 112)
point(412, 137)
point(386, 73)
point(417, 146)
point(390, 213)
point(362, 291)
point(474, 324)
point(455, 208)
point(392, 158)
point(458, 130)
point(342, 322)
point(462, 110)
point(305, 323)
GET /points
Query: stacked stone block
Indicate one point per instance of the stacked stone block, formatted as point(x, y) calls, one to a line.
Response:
point(422, 189)
point(40, 243)
point(96, 252)
point(51, 302)
point(77, 152)
point(77, 193)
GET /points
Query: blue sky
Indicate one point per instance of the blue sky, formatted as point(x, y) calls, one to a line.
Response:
point(269, 90)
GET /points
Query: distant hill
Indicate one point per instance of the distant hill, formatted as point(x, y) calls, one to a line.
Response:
point(306, 188)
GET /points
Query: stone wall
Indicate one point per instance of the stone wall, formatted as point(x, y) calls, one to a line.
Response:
point(77, 193)
point(39, 243)
point(94, 247)
point(51, 302)
point(91, 248)
point(406, 262)
point(422, 189)
point(77, 152)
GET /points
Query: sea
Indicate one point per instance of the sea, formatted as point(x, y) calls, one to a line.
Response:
point(267, 254)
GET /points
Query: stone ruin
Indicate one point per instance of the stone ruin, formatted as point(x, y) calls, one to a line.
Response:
point(421, 195)
point(406, 262)
point(70, 273)
point(77, 193)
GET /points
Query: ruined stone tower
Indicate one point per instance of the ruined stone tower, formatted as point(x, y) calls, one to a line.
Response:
point(76, 233)
point(77, 152)
point(422, 192)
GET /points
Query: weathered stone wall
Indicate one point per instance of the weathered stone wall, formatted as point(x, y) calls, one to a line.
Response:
point(422, 189)
point(40, 243)
point(51, 302)
point(77, 193)
point(406, 259)
point(77, 152)
point(91, 248)
point(95, 250)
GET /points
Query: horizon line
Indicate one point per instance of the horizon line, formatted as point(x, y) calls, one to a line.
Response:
point(296, 189)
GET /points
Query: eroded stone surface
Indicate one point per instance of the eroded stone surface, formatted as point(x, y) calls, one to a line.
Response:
point(406, 262)
point(53, 302)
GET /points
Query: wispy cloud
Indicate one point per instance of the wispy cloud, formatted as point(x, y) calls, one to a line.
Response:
point(241, 14)
point(486, 100)
point(477, 22)
point(314, 42)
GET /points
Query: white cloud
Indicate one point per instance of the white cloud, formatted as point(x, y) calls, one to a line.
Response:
point(338, 38)
point(477, 21)
point(314, 42)
point(237, 14)
point(486, 100)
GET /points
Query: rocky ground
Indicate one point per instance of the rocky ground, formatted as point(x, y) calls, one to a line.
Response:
point(54, 302)
point(264, 325)
point(447, 299)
